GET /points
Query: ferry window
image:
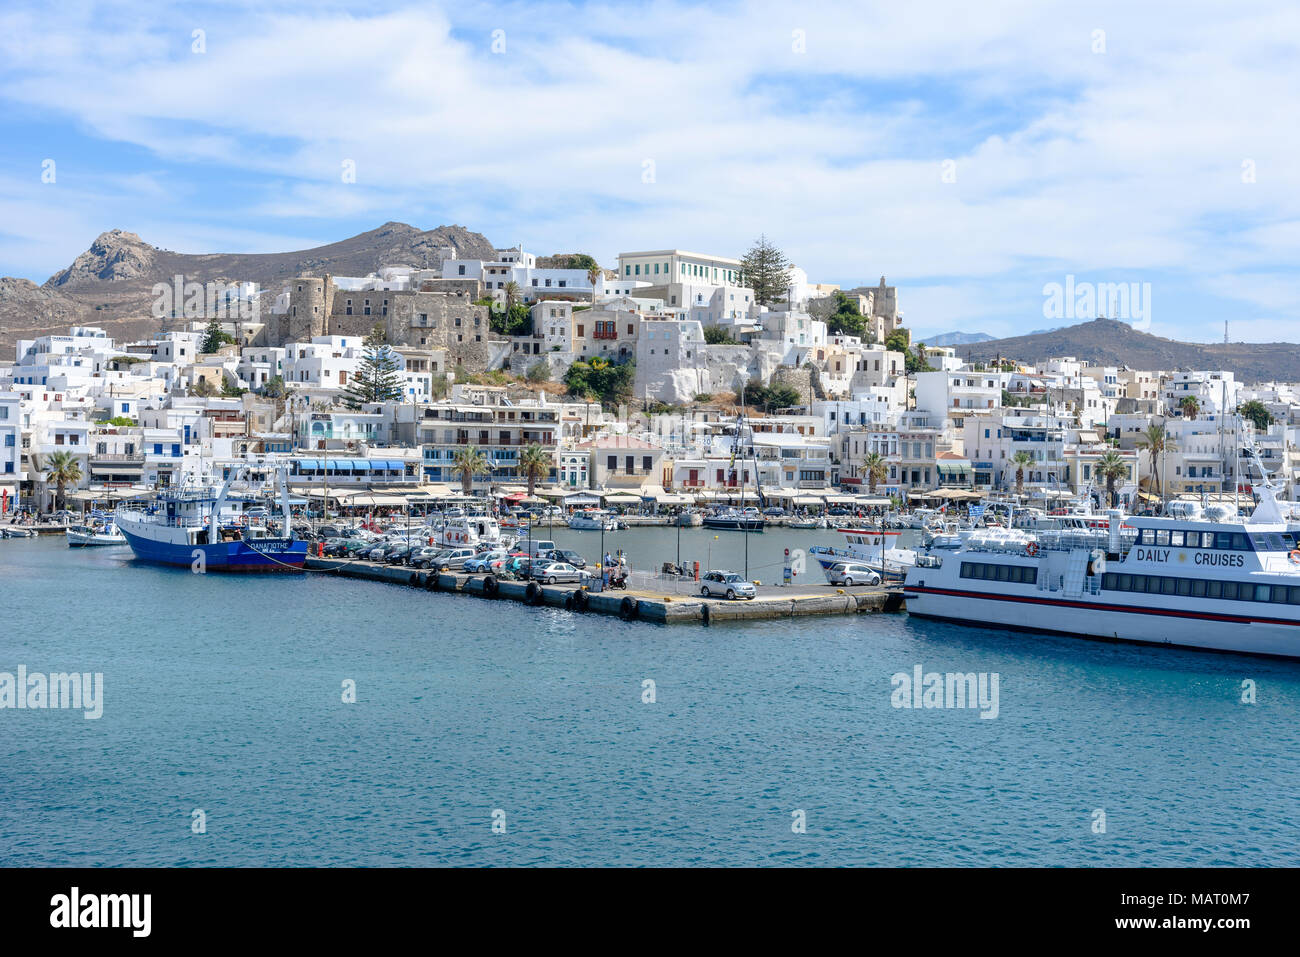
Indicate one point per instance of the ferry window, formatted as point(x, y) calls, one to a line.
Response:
point(1176, 539)
point(1198, 588)
point(1294, 597)
point(1229, 590)
point(1240, 543)
point(1154, 584)
point(1222, 539)
point(1162, 537)
point(1214, 589)
point(1259, 541)
point(1002, 573)
point(1193, 539)
point(1169, 585)
point(1148, 536)
point(965, 570)
point(1125, 582)
point(1279, 593)
point(1108, 581)
point(1184, 586)
point(1032, 577)
point(1139, 583)
point(1277, 543)
point(1262, 593)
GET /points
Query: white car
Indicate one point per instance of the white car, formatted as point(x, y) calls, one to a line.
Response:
point(561, 572)
point(850, 574)
point(727, 585)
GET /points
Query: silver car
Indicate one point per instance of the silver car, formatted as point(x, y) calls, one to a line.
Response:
point(726, 585)
point(851, 573)
point(560, 572)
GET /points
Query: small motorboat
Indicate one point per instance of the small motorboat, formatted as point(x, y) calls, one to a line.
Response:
point(82, 536)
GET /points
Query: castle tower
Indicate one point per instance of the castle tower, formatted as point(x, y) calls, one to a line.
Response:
point(310, 302)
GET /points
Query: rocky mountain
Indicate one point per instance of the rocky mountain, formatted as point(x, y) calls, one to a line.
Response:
point(1113, 343)
point(110, 284)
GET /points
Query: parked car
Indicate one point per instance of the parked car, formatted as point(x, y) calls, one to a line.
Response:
point(335, 547)
point(838, 511)
point(570, 556)
point(726, 584)
point(537, 547)
point(398, 555)
point(851, 573)
point(481, 561)
point(422, 555)
point(452, 558)
point(560, 572)
point(775, 511)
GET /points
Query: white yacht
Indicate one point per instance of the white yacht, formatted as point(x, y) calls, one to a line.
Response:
point(84, 536)
point(876, 548)
point(593, 520)
point(1197, 579)
point(466, 530)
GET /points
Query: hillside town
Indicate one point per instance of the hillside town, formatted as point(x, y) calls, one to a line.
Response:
point(622, 387)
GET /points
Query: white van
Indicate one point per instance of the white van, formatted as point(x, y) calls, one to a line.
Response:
point(537, 547)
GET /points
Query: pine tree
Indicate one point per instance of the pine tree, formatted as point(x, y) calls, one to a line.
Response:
point(376, 378)
point(213, 338)
point(766, 271)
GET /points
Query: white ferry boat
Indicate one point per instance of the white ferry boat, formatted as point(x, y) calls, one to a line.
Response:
point(1206, 580)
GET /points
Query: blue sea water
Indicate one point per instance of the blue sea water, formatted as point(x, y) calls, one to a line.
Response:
point(224, 694)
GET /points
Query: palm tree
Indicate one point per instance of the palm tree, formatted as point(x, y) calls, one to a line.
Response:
point(1020, 460)
point(512, 295)
point(1110, 468)
point(1157, 442)
point(62, 469)
point(875, 469)
point(467, 463)
point(593, 276)
point(1189, 406)
point(535, 462)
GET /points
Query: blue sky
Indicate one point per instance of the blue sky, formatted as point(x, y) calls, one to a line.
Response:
point(1112, 144)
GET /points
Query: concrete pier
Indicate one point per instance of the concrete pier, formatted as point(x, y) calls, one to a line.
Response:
point(640, 604)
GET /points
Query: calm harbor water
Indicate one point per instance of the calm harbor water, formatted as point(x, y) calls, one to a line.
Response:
point(224, 693)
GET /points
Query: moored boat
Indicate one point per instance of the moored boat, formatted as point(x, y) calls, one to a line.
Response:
point(84, 536)
point(200, 527)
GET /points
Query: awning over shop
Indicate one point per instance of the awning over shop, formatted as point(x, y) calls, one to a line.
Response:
point(581, 498)
point(651, 492)
point(113, 494)
point(807, 500)
point(621, 498)
point(667, 498)
point(871, 500)
point(839, 499)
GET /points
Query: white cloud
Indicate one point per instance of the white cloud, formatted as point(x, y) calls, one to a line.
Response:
point(1066, 160)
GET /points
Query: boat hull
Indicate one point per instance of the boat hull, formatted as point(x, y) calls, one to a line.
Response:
point(734, 524)
point(1166, 627)
point(264, 555)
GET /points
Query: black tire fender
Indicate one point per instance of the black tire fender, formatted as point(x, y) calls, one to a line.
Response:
point(490, 586)
point(628, 608)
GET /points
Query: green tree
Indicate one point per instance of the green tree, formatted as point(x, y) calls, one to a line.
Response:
point(610, 383)
point(535, 462)
point(777, 396)
point(1189, 406)
point(875, 469)
point(376, 378)
point(539, 371)
point(118, 421)
point(439, 385)
point(214, 338)
point(1257, 413)
point(765, 270)
point(274, 388)
point(719, 336)
point(594, 272)
point(916, 361)
point(1021, 460)
point(63, 470)
point(203, 388)
point(1156, 441)
point(899, 341)
point(510, 319)
point(468, 463)
point(847, 319)
point(1110, 468)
